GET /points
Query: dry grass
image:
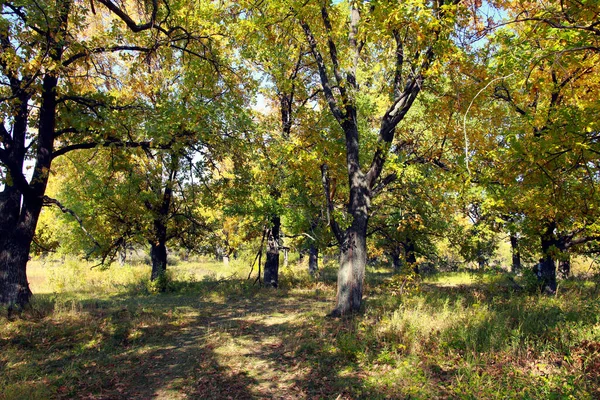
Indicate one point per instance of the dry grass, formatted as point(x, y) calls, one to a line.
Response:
point(458, 337)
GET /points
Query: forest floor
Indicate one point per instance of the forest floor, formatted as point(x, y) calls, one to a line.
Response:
point(217, 336)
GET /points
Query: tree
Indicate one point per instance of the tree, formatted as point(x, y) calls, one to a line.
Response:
point(398, 44)
point(548, 141)
point(57, 96)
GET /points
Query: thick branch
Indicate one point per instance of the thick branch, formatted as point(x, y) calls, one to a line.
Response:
point(146, 145)
point(331, 101)
point(131, 24)
point(99, 50)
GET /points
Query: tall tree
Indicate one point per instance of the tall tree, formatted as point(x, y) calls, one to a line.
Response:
point(398, 45)
point(57, 96)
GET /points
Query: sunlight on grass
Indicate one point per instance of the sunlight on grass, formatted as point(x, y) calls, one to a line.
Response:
point(102, 333)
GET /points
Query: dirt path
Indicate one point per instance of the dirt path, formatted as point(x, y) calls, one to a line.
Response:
point(241, 349)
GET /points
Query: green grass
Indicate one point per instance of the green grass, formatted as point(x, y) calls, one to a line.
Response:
point(103, 334)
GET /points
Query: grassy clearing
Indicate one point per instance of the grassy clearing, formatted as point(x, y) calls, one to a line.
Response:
point(103, 335)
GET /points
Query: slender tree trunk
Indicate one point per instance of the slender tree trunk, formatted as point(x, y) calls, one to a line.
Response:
point(548, 265)
point(516, 253)
point(313, 259)
point(271, 274)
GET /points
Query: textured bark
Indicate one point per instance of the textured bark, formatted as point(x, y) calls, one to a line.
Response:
point(271, 273)
point(313, 259)
point(353, 249)
point(516, 254)
point(21, 203)
point(353, 260)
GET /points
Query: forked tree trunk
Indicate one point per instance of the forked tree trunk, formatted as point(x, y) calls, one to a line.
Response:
point(20, 210)
point(313, 259)
point(564, 262)
point(271, 274)
point(516, 253)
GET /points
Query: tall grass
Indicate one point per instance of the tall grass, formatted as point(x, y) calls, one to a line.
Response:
point(456, 335)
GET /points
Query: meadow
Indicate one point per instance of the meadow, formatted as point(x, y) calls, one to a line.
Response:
point(105, 334)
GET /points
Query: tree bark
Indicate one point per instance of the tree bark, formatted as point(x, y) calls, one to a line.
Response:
point(313, 259)
point(353, 260)
point(564, 263)
point(396, 262)
point(21, 203)
point(516, 253)
point(158, 255)
point(410, 255)
point(271, 274)
point(548, 265)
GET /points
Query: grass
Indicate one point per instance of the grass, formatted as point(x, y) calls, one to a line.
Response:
point(103, 335)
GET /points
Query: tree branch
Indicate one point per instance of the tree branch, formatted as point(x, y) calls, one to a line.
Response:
point(146, 145)
point(329, 96)
point(337, 232)
point(50, 201)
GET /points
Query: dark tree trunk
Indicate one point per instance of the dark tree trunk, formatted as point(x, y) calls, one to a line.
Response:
point(21, 204)
point(271, 274)
point(158, 243)
point(14, 254)
point(313, 259)
point(396, 262)
point(158, 255)
point(548, 264)
point(564, 263)
point(516, 253)
point(410, 255)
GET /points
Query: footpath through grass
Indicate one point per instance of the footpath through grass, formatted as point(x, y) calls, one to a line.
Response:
point(459, 336)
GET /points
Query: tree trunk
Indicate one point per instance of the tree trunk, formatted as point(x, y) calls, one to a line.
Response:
point(158, 255)
point(564, 263)
point(548, 264)
point(313, 259)
point(14, 254)
point(516, 253)
point(353, 260)
point(396, 262)
point(271, 274)
point(410, 255)
point(21, 204)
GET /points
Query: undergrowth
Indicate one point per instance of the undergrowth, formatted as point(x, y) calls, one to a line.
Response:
point(216, 334)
